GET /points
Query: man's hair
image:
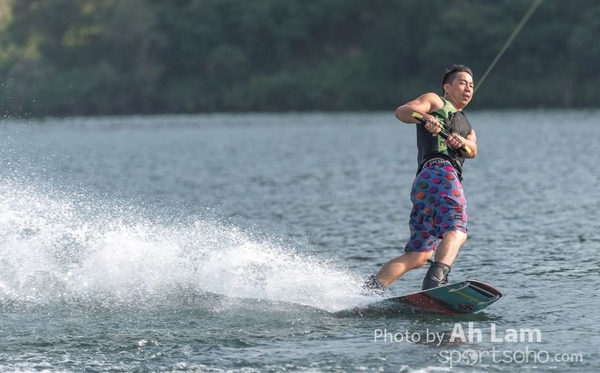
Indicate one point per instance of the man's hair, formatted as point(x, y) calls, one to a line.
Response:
point(450, 74)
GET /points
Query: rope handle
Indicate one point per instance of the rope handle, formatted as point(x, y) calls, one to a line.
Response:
point(442, 132)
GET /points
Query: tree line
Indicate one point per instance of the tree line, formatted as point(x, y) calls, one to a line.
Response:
point(90, 57)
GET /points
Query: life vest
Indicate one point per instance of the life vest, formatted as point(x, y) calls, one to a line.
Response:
point(453, 121)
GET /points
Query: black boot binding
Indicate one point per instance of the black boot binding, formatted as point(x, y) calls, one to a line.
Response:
point(373, 285)
point(437, 275)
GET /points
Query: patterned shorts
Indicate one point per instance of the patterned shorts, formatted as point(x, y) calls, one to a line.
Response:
point(439, 206)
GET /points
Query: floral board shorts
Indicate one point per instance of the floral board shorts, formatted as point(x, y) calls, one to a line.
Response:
point(439, 206)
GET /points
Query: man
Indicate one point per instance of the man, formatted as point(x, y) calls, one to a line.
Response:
point(439, 208)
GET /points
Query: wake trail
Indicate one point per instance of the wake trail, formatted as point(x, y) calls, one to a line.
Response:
point(70, 249)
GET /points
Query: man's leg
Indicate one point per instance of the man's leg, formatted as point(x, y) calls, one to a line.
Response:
point(449, 246)
point(445, 255)
point(395, 268)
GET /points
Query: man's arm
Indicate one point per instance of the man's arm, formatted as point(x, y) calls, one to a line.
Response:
point(423, 105)
point(456, 141)
point(426, 104)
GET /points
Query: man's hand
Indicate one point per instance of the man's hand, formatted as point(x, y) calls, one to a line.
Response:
point(432, 125)
point(455, 141)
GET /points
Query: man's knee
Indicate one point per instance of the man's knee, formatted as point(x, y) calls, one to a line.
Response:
point(419, 259)
point(456, 236)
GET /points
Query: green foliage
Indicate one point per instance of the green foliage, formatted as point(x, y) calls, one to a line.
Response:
point(87, 57)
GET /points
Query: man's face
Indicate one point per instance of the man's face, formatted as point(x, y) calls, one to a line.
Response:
point(460, 90)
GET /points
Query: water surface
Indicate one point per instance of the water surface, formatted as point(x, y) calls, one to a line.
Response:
point(227, 242)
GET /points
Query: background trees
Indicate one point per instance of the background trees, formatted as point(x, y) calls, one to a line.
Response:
point(87, 57)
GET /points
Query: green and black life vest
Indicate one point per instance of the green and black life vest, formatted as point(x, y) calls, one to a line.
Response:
point(429, 147)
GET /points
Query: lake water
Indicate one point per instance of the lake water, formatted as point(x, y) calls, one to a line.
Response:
point(216, 243)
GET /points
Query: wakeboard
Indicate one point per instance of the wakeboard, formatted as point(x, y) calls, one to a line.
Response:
point(461, 298)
